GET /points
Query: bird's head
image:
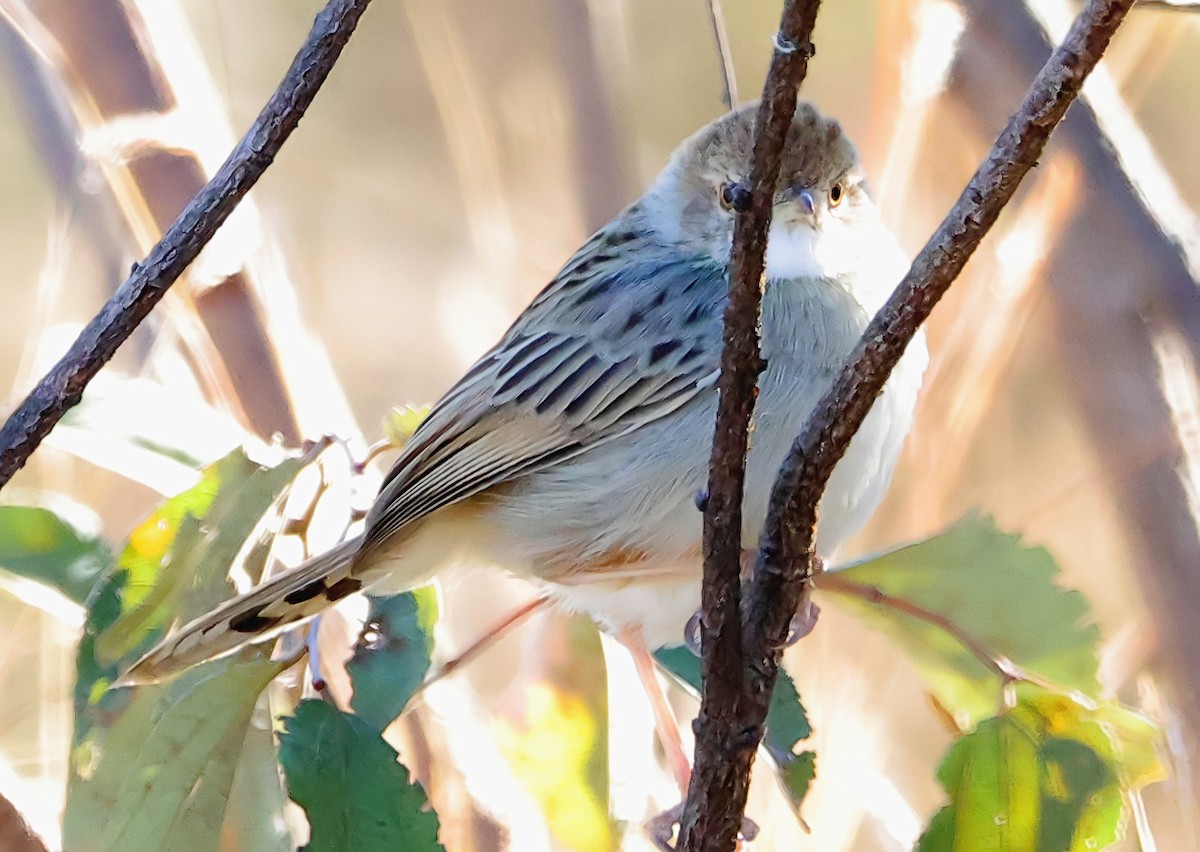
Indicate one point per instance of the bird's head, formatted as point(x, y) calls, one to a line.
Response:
point(820, 204)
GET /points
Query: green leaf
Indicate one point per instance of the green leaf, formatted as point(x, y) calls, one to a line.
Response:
point(990, 584)
point(210, 523)
point(796, 775)
point(40, 545)
point(389, 668)
point(1044, 776)
point(158, 762)
point(173, 566)
point(161, 776)
point(254, 815)
point(787, 723)
point(358, 797)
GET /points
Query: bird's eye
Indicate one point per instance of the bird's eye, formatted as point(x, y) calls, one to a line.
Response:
point(836, 193)
point(733, 196)
point(725, 194)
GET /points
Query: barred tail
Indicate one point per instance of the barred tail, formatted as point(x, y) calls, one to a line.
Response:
point(264, 611)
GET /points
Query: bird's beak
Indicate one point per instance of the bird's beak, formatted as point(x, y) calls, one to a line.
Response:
point(803, 197)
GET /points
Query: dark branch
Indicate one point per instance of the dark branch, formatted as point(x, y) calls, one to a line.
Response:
point(712, 816)
point(179, 246)
point(786, 556)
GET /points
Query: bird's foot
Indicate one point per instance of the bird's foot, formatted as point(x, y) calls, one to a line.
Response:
point(662, 829)
point(804, 620)
point(801, 625)
point(691, 634)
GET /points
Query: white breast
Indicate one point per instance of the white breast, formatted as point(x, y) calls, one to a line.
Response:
point(792, 253)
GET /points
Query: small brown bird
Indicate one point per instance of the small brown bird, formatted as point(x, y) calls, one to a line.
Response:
point(572, 452)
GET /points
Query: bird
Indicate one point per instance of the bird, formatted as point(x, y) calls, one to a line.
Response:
point(572, 452)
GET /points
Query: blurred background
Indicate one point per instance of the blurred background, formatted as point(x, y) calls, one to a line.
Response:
point(457, 156)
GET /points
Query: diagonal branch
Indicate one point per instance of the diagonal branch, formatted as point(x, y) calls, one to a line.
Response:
point(786, 557)
point(737, 688)
point(712, 816)
point(148, 282)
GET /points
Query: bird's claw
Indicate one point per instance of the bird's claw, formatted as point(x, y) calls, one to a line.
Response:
point(661, 829)
point(692, 633)
point(803, 621)
point(801, 625)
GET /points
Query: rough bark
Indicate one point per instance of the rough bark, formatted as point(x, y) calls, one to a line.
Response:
point(712, 816)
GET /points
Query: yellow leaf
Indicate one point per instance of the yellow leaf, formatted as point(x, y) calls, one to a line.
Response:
point(402, 421)
point(551, 754)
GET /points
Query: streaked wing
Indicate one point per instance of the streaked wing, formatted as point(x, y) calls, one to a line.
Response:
point(627, 333)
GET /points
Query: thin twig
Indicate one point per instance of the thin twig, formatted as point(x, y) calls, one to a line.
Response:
point(997, 664)
point(716, 15)
point(786, 555)
point(712, 816)
point(148, 282)
point(489, 637)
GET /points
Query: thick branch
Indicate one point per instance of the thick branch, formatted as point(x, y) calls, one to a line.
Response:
point(786, 557)
point(179, 246)
point(712, 816)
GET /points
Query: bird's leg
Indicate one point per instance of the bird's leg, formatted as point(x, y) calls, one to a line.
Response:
point(312, 642)
point(665, 723)
point(661, 828)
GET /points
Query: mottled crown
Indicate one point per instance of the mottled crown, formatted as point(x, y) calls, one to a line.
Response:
point(684, 204)
point(816, 152)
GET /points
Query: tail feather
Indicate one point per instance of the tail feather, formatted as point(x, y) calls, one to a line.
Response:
point(264, 611)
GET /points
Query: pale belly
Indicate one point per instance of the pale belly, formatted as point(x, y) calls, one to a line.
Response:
point(616, 533)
